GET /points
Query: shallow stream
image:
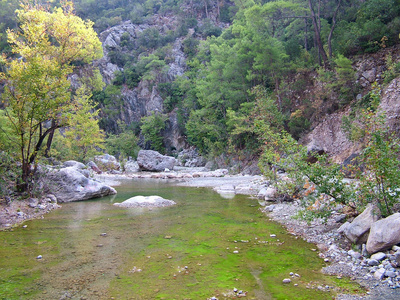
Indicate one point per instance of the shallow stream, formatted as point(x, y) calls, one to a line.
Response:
point(204, 246)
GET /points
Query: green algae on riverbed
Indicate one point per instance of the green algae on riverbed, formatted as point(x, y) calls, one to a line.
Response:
point(205, 246)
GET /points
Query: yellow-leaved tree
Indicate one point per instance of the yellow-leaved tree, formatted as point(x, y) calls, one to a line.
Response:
point(48, 46)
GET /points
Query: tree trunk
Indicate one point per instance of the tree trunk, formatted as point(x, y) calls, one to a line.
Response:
point(206, 8)
point(50, 139)
point(332, 29)
point(318, 35)
point(305, 35)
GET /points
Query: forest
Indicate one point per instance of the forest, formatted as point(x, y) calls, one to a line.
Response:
point(248, 65)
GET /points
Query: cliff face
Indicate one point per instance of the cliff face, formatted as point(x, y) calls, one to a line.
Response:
point(145, 99)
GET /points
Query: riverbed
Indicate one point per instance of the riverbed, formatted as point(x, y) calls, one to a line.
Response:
point(205, 246)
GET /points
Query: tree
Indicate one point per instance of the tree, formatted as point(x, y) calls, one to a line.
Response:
point(152, 129)
point(83, 135)
point(37, 92)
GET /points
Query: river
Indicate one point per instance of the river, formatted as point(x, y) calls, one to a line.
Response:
point(205, 246)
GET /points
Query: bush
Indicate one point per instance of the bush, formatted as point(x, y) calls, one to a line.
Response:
point(124, 144)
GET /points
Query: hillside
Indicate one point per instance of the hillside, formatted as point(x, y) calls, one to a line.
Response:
point(208, 75)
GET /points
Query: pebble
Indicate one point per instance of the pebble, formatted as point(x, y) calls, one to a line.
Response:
point(103, 234)
point(236, 252)
point(286, 280)
point(39, 257)
point(272, 235)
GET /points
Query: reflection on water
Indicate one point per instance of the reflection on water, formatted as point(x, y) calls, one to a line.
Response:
point(204, 246)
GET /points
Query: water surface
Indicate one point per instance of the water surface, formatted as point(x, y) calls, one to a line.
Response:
point(204, 246)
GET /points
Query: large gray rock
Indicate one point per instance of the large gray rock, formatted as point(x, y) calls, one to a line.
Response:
point(71, 183)
point(357, 231)
point(149, 160)
point(384, 234)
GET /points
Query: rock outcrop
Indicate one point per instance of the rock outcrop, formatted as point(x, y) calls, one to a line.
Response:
point(149, 160)
point(71, 182)
point(328, 135)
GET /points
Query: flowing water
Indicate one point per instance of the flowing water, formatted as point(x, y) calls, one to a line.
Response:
point(202, 247)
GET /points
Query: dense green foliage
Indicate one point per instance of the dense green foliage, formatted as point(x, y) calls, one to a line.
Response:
point(152, 128)
point(37, 96)
point(243, 91)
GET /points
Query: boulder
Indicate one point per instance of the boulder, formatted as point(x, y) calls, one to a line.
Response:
point(149, 160)
point(92, 165)
point(146, 201)
point(131, 166)
point(72, 184)
point(357, 231)
point(107, 162)
point(384, 234)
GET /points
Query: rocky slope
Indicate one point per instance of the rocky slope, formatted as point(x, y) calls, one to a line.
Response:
point(327, 133)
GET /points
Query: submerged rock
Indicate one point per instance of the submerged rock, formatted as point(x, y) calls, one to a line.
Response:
point(146, 201)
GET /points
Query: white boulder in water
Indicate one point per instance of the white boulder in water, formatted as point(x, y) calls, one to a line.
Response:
point(146, 201)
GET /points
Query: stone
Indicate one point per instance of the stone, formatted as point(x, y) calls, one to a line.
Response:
point(92, 165)
point(372, 262)
point(261, 193)
point(146, 201)
point(384, 234)
point(33, 202)
point(271, 194)
point(107, 163)
point(380, 273)
point(354, 254)
point(357, 231)
point(340, 218)
point(39, 257)
point(131, 166)
point(149, 160)
point(71, 183)
point(378, 256)
point(286, 280)
point(73, 163)
point(52, 198)
point(390, 274)
point(269, 208)
point(397, 257)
